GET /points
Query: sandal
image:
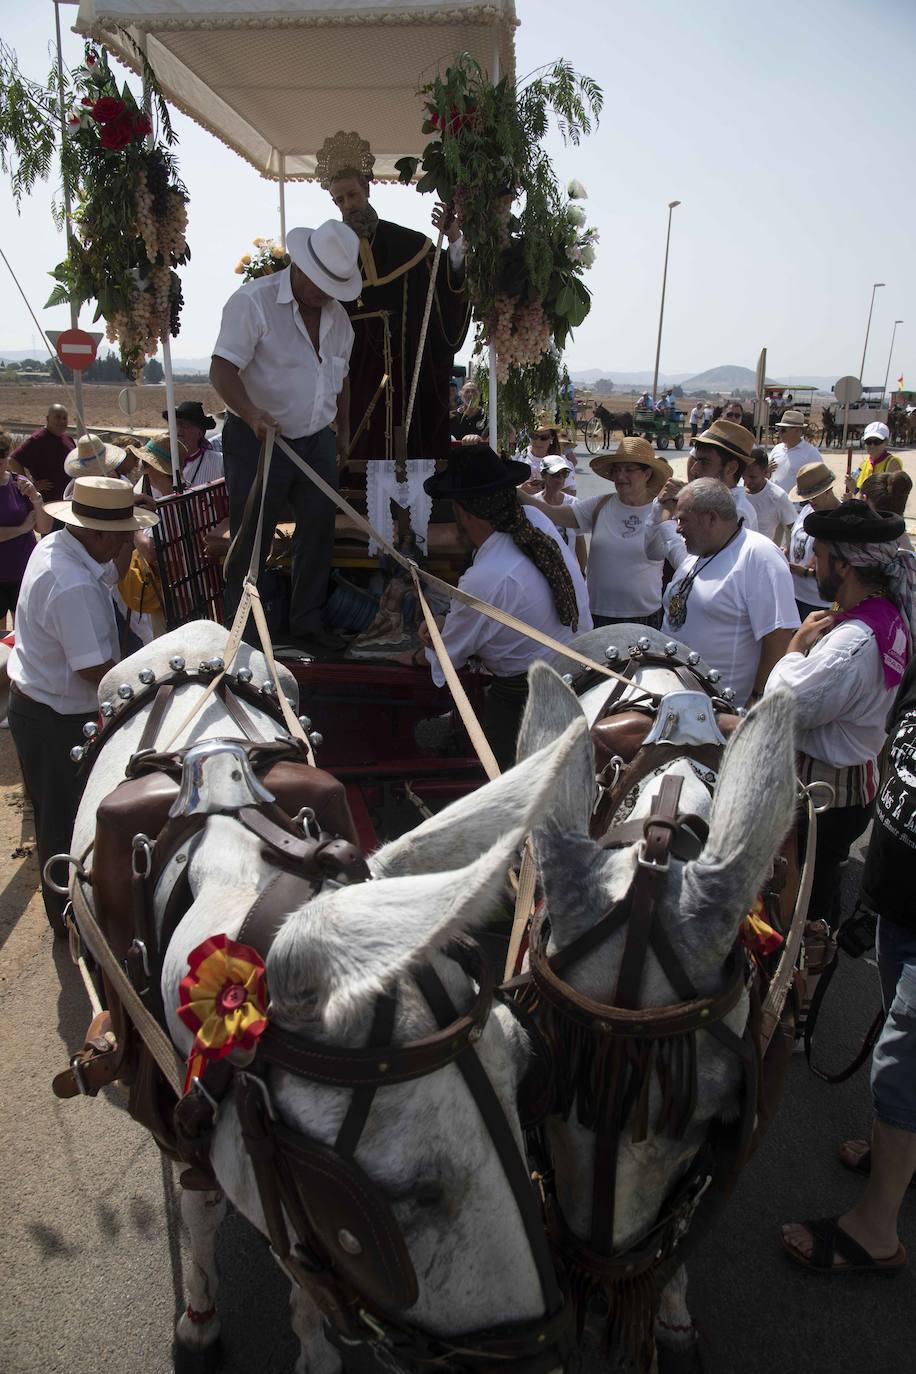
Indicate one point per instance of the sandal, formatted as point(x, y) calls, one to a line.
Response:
point(831, 1242)
point(856, 1155)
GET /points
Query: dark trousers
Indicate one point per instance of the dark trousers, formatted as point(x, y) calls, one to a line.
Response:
point(313, 540)
point(502, 716)
point(837, 830)
point(654, 621)
point(43, 740)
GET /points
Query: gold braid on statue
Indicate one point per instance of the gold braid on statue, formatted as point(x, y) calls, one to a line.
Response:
point(504, 512)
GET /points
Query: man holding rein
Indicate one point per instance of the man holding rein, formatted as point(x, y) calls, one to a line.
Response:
point(281, 363)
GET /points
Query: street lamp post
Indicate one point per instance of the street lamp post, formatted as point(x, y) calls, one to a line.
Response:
point(868, 326)
point(672, 205)
point(890, 355)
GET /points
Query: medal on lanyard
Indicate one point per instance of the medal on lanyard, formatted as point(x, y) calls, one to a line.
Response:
point(677, 604)
point(677, 611)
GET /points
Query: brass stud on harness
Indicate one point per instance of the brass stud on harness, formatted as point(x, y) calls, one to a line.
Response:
point(671, 648)
point(644, 643)
point(306, 723)
point(568, 679)
point(146, 676)
point(78, 753)
point(693, 658)
point(611, 653)
point(316, 739)
point(243, 675)
point(728, 693)
point(268, 690)
point(348, 1242)
point(216, 665)
point(176, 663)
point(90, 729)
point(714, 675)
point(125, 691)
point(107, 709)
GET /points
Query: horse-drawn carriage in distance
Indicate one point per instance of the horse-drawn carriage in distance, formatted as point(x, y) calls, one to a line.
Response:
point(866, 411)
point(901, 417)
point(660, 427)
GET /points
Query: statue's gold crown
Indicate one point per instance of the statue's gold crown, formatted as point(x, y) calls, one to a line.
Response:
point(342, 152)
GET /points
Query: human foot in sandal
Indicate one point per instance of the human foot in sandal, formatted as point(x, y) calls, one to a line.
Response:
point(856, 1155)
point(826, 1246)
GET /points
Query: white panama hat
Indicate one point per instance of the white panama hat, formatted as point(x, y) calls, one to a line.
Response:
point(102, 503)
point(329, 257)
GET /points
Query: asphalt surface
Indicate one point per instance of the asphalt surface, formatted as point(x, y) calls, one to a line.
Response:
point(91, 1258)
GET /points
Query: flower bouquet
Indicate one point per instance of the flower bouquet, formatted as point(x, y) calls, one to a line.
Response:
point(270, 257)
point(525, 266)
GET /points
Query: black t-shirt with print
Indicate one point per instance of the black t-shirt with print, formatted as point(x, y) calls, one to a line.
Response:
point(889, 880)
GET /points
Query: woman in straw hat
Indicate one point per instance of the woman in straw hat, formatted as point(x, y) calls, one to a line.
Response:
point(92, 457)
point(814, 489)
point(66, 641)
point(624, 586)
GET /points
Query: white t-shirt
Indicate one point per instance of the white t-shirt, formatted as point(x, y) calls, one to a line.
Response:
point(744, 507)
point(65, 621)
point(622, 580)
point(801, 551)
point(789, 460)
point(773, 509)
point(737, 597)
point(264, 335)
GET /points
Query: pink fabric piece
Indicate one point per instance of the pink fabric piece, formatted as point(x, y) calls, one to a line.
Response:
point(887, 625)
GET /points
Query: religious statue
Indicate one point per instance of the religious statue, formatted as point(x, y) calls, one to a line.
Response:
point(397, 264)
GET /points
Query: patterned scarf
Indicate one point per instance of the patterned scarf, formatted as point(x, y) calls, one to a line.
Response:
point(897, 565)
point(504, 512)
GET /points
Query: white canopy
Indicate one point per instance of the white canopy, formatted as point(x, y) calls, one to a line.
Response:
point(273, 79)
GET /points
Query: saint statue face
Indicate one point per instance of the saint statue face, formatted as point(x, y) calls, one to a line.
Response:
point(351, 196)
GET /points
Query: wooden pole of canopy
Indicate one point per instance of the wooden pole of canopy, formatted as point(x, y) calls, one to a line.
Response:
point(283, 199)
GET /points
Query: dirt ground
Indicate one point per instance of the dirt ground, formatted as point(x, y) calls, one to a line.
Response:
point(25, 406)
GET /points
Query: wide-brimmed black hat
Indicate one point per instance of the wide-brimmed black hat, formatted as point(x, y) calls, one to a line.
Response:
point(854, 522)
point(194, 413)
point(476, 471)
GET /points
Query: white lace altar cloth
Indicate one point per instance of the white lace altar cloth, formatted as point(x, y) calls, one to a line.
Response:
point(383, 487)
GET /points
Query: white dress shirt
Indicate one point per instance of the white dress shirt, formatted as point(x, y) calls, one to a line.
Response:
point(506, 577)
point(65, 621)
point(739, 595)
point(772, 508)
point(789, 460)
point(264, 336)
point(841, 699)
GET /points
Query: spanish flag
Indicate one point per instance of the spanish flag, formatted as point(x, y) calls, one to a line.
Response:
point(899, 383)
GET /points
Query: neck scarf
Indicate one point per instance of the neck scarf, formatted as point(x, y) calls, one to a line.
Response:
point(886, 624)
point(504, 512)
point(898, 566)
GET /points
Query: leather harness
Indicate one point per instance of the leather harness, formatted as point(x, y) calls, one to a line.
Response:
point(347, 1249)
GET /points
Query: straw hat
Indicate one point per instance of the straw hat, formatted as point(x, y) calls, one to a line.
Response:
point(733, 439)
point(633, 450)
point(102, 503)
point(546, 421)
point(329, 257)
point(813, 479)
point(158, 453)
point(93, 458)
point(792, 419)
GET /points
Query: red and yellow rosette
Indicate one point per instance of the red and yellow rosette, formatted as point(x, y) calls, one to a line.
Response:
point(758, 935)
point(223, 1000)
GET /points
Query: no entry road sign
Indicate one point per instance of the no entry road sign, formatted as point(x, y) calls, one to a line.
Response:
point(76, 348)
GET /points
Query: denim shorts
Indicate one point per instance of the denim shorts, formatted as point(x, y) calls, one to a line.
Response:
point(893, 1070)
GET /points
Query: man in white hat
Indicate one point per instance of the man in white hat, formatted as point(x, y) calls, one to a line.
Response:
point(792, 452)
point(281, 362)
point(66, 641)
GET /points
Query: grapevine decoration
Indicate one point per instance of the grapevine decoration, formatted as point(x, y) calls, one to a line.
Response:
point(130, 208)
point(270, 257)
point(528, 246)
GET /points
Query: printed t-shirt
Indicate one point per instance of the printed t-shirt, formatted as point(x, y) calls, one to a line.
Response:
point(621, 579)
point(801, 548)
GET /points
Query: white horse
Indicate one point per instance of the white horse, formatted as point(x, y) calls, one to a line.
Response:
point(703, 904)
point(424, 1144)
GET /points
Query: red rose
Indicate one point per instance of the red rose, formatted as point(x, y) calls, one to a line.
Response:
point(117, 133)
point(142, 126)
point(108, 109)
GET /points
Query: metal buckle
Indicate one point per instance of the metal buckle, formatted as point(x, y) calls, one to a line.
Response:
point(76, 1068)
point(653, 867)
point(142, 845)
point(73, 862)
point(261, 1087)
point(137, 947)
point(208, 1097)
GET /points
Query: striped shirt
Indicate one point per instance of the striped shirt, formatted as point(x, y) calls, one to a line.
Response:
point(206, 465)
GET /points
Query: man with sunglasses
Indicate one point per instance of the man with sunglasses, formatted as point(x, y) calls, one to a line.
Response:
point(734, 411)
point(878, 457)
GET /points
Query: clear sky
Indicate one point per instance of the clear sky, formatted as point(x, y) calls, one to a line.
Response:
point(785, 129)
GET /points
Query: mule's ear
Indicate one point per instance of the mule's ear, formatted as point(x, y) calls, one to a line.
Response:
point(551, 710)
point(465, 829)
point(752, 812)
point(330, 960)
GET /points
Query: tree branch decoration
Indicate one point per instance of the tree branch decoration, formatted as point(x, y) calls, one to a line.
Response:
point(129, 216)
point(525, 266)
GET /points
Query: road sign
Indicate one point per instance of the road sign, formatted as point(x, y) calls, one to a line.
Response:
point(848, 390)
point(128, 401)
point(76, 349)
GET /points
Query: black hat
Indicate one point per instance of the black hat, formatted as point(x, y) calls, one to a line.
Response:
point(194, 413)
point(476, 471)
point(854, 522)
